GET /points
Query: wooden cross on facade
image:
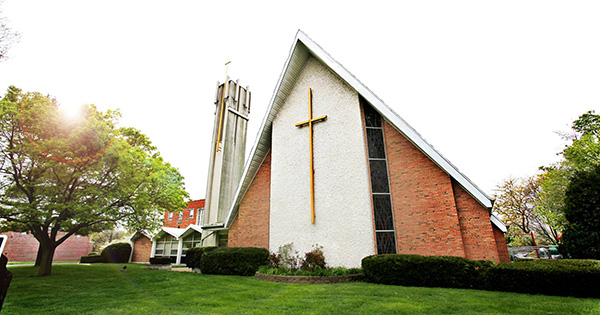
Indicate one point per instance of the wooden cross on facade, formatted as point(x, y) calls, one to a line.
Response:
point(310, 123)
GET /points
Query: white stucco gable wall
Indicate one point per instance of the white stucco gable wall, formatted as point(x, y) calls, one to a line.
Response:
point(343, 224)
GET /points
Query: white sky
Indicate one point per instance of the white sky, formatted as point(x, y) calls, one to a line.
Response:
point(486, 83)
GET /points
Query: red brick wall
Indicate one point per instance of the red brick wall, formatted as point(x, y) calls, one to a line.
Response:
point(251, 226)
point(425, 213)
point(24, 247)
point(501, 245)
point(476, 227)
point(142, 246)
point(186, 220)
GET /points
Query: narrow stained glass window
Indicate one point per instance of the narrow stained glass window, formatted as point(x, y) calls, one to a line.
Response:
point(386, 243)
point(375, 142)
point(379, 176)
point(372, 118)
point(382, 206)
point(380, 187)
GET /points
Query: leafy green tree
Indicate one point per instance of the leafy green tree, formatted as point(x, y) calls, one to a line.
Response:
point(582, 210)
point(77, 176)
point(582, 154)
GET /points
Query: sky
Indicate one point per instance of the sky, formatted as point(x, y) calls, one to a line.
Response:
point(487, 83)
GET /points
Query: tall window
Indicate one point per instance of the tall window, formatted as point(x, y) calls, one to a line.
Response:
point(170, 215)
point(166, 246)
point(191, 213)
point(180, 215)
point(380, 186)
point(191, 241)
point(201, 214)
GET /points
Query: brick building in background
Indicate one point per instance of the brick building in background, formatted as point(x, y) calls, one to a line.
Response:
point(24, 247)
point(188, 215)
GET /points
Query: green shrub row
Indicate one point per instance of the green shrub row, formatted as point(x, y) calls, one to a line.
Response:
point(113, 253)
point(568, 277)
point(160, 260)
point(243, 261)
point(193, 256)
point(116, 253)
point(91, 259)
point(425, 271)
point(579, 278)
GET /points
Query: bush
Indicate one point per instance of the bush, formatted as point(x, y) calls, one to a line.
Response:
point(160, 260)
point(426, 271)
point(565, 277)
point(194, 255)
point(314, 260)
point(243, 261)
point(116, 253)
point(91, 259)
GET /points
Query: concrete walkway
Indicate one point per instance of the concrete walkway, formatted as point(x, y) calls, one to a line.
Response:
point(31, 264)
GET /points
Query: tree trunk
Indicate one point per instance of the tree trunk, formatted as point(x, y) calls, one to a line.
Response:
point(38, 259)
point(46, 260)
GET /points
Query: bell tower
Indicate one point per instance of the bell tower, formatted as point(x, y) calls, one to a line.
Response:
point(227, 152)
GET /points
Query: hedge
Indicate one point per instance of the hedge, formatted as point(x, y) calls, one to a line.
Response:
point(160, 260)
point(427, 271)
point(116, 253)
point(243, 261)
point(566, 277)
point(193, 256)
point(91, 259)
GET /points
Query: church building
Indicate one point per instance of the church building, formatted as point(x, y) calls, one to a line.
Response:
point(334, 166)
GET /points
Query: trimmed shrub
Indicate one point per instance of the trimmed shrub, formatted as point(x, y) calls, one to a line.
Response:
point(243, 261)
point(116, 253)
point(314, 260)
point(193, 256)
point(424, 271)
point(91, 259)
point(565, 277)
point(160, 260)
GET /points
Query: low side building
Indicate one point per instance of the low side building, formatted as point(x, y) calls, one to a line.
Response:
point(24, 247)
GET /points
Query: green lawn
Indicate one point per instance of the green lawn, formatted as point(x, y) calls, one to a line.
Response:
point(102, 289)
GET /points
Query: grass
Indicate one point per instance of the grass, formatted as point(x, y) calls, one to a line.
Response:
point(102, 289)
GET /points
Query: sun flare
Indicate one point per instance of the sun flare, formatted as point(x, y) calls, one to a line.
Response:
point(70, 112)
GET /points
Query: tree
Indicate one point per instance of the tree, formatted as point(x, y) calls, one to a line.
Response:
point(7, 37)
point(106, 237)
point(77, 176)
point(515, 200)
point(582, 154)
point(582, 209)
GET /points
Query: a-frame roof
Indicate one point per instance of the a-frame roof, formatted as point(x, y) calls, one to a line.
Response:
point(302, 49)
